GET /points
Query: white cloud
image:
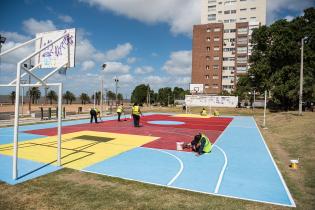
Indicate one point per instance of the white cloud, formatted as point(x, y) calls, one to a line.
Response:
point(144, 70)
point(275, 7)
point(87, 65)
point(14, 37)
point(121, 51)
point(181, 15)
point(179, 63)
point(116, 67)
point(131, 60)
point(32, 26)
point(66, 18)
point(126, 79)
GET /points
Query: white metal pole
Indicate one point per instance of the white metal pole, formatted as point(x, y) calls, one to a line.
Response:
point(94, 99)
point(16, 122)
point(254, 100)
point(265, 106)
point(301, 79)
point(59, 124)
point(22, 102)
point(102, 87)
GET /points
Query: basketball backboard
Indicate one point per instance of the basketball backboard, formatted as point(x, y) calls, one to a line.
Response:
point(58, 53)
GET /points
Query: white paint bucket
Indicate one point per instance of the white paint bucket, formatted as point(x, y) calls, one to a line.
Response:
point(179, 145)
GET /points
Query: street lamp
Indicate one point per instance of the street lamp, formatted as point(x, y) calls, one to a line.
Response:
point(301, 76)
point(102, 87)
point(116, 81)
point(2, 41)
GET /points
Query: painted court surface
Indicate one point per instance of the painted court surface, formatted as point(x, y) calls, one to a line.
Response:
point(239, 166)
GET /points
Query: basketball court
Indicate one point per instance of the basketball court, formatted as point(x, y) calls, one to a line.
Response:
point(239, 166)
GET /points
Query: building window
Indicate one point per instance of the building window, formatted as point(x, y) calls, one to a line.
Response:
point(253, 9)
point(215, 77)
point(243, 19)
point(212, 17)
point(253, 18)
point(220, 12)
point(232, 30)
point(206, 86)
point(211, 8)
point(208, 58)
point(216, 48)
point(208, 67)
point(242, 50)
point(233, 11)
point(241, 68)
point(208, 49)
point(242, 31)
point(226, 21)
point(215, 67)
point(216, 39)
point(208, 30)
point(217, 29)
point(228, 58)
point(208, 39)
point(207, 76)
point(243, 9)
point(228, 49)
point(212, 1)
point(227, 12)
point(232, 20)
point(215, 86)
point(242, 59)
point(216, 58)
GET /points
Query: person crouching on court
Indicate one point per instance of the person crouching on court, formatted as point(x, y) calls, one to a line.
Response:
point(93, 114)
point(203, 112)
point(201, 144)
point(136, 115)
point(120, 110)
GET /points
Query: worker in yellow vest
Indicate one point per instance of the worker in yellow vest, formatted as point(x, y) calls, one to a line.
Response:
point(203, 112)
point(201, 144)
point(136, 115)
point(216, 113)
point(120, 109)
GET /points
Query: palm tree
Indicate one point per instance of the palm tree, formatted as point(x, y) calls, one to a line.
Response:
point(84, 98)
point(12, 97)
point(34, 94)
point(69, 97)
point(120, 97)
point(52, 96)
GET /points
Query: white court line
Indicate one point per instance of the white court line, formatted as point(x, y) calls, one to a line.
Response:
point(180, 162)
point(222, 170)
point(190, 190)
point(275, 165)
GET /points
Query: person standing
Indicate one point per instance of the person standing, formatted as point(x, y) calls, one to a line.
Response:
point(93, 114)
point(120, 110)
point(136, 112)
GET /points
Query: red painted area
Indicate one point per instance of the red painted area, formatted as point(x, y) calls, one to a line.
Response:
point(169, 134)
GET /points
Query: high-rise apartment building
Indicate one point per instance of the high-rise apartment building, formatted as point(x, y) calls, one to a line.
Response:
point(221, 44)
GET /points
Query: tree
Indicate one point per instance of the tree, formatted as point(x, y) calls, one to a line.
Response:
point(275, 61)
point(67, 96)
point(52, 96)
point(34, 94)
point(84, 98)
point(120, 97)
point(12, 97)
point(139, 94)
point(165, 96)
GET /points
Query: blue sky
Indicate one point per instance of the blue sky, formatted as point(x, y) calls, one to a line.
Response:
point(141, 41)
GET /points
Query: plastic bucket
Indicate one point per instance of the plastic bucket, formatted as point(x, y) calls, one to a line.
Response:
point(294, 164)
point(179, 145)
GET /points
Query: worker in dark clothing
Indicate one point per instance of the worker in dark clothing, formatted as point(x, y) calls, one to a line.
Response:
point(200, 144)
point(93, 114)
point(136, 115)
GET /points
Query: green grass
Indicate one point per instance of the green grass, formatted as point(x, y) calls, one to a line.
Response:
point(289, 136)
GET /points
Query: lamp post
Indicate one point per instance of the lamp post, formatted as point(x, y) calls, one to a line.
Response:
point(301, 77)
point(102, 88)
point(116, 81)
point(2, 41)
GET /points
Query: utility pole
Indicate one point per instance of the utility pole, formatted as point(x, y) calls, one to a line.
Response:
point(116, 81)
point(301, 78)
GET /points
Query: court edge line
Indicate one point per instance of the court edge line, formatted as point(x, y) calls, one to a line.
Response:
point(222, 170)
point(277, 169)
point(180, 188)
point(178, 159)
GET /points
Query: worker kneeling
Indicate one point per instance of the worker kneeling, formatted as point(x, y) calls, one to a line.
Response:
point(200, 144)
point(203, 112)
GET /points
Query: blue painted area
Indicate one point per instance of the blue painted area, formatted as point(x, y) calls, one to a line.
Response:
point(165, 122)
point(27, 169)
point(155, 166)
point(250, 173)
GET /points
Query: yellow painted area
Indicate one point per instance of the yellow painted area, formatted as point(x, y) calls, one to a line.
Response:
point(77, 153)
point(191, 115)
